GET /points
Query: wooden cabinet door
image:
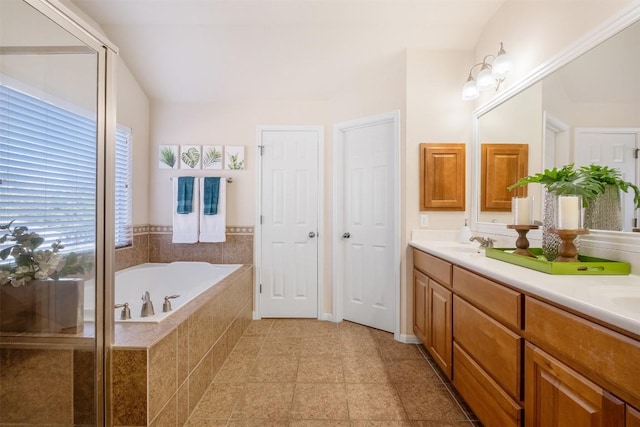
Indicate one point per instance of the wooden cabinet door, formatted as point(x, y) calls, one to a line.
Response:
point(558, 396)
point(439, 320)
point(420, 285)
point(502, 165)
point(442, 177)
point(633, 417)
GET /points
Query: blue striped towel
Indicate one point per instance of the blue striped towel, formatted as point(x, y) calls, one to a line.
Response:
point(210, 196)
point(185, 194)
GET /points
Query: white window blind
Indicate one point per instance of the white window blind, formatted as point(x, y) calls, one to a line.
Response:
point(124, 231)
point(48, 170)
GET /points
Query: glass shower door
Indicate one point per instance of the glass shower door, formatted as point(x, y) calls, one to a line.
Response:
point(51, 220)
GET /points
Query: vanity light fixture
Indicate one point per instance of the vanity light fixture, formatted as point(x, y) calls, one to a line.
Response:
point(490, 74)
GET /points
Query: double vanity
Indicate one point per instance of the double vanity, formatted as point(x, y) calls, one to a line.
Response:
point(528, 348)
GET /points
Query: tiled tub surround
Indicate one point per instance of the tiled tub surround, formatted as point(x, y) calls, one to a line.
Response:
point(160, 371)
point(152, 243)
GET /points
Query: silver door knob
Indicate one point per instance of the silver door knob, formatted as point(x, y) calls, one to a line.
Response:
point(346, 235)
point(312, 234)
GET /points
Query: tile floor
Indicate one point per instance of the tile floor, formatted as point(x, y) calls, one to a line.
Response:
point(302, 372)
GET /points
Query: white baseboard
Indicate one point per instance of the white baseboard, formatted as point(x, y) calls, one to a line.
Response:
point(409, 339)
point(326, 316)
point(255, 315)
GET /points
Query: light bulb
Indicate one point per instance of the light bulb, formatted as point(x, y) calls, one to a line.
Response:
point(470, 90)
point(485, 79)
point(502, 65)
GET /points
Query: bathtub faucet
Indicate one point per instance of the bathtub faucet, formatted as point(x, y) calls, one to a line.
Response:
point(147, 305)
point(166, 307)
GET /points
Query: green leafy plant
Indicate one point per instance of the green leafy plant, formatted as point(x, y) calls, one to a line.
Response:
point(168, 156)
point(566, 180)
point(191, 157)
point(235, 163)
point(211, 156)
point(33, 263)
point(610, 176)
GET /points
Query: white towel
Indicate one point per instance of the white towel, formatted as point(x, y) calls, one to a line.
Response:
point(213, 227)
point(185, 226)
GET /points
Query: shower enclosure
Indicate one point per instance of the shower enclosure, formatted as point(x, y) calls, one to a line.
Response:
point(57, 133)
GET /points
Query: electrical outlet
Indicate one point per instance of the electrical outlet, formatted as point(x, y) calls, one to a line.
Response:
point(424, 220)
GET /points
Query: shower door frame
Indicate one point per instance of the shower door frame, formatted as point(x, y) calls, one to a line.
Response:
point(105, 190)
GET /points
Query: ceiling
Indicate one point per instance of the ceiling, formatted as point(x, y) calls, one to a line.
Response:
point(239, 50)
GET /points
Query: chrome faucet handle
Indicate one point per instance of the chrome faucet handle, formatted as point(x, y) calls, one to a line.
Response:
point(147, 305)
point(126, 312)
point(167, 304)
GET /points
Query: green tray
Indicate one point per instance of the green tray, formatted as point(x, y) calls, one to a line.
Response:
point(587, 265)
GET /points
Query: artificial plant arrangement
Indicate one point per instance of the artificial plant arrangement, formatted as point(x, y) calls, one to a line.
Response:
point(565, 180)
point(586, 181)
point(32, 263)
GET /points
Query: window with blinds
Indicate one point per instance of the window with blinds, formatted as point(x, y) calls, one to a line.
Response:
point(124, 230)
point(48, 172)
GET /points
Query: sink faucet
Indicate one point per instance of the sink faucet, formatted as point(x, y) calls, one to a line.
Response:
point(485, 242)
point(147, 305)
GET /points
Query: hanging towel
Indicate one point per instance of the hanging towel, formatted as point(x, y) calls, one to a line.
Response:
point(213, 227)
point(185, 194)
point(185, 226)
point(210, 194)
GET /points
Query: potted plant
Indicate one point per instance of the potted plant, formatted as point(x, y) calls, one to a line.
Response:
point(603, 212)
point(33, 295)
point(564, 181)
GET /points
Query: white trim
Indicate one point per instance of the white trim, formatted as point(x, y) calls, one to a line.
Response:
point(338, 225)
point(609, 28)
point(257, 236)
point(327, 317)
point(409, 339)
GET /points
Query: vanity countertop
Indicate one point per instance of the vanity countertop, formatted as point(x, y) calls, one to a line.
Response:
point(614, 300)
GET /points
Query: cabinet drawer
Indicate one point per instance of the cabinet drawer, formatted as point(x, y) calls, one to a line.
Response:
point(499, 301)
point(494, 347)
point(489, 402)
point(607, 358)
point(433, 267)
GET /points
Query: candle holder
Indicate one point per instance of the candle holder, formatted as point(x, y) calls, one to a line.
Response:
point(567, 251)
point(522, 243)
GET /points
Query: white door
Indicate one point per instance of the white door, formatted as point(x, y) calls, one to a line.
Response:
point(289, 189)
point(367, 199)
point(613, 147)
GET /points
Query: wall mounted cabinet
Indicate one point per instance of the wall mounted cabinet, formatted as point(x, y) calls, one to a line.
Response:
point(502, 165)
point(442, 177)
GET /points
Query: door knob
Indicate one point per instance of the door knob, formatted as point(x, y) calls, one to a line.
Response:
point(346, 235)
point(312, 234)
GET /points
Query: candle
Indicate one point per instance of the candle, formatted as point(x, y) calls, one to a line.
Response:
point(569, 212)
point(521, 210)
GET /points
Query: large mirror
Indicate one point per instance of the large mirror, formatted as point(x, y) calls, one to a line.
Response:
point(583, 108)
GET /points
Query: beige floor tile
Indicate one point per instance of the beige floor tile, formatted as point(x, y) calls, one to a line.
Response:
point(258, 327)
point(280, 347)
point(353, 330)
point(424, 401)
point(443, 424)
point(319, 423)
point(379, 403)
point(200, 422)
point(319, 401)
point(235, 370)
point(392, 350)
point(248, 346)
point(381, 424)
point(411, 371)
point(274, 369)
point(365, 346)
point(327, 345)
point(264, 401)
point(319, 328)
point(362, 369)
point(258, 423)
point(320, 369)
point(381, 335)
point(218, 401)
point(287, 328)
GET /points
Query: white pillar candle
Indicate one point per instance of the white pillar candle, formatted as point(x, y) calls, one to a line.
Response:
point(521, 210)
point(569, 212)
